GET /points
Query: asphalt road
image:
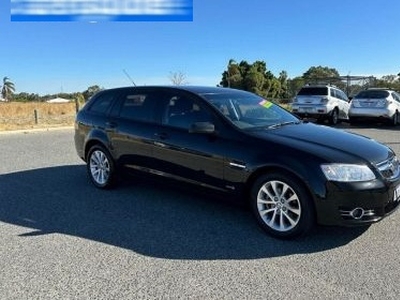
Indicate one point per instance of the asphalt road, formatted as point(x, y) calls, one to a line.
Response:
point(60, 238)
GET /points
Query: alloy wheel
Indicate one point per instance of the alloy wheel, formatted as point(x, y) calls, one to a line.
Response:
point(278, 206)
point(99, 167)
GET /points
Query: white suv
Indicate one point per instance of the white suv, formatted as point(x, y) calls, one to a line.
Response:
point(322, 102)
point(376, 104)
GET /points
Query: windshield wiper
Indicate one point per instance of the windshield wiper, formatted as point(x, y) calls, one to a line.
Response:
point(273, 126)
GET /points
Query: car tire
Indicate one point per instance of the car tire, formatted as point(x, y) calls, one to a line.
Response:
point(395, 119)
point(334, 117)
point(101, 167)
point(282, 206)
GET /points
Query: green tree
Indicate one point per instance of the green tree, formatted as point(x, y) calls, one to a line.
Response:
point(8, 89)
point(294, 85)
point(91, 90)
point(251, 77)
point(232, 77)
point(389, 81)
point(321, 73)
point(26, 97)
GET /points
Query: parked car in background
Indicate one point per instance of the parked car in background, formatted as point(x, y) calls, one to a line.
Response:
point(376, 104)
point(292, 173)
point(322, 102)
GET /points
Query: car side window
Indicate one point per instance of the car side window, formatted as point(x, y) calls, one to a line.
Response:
point(138, 107)
point(396, 97)
point(345, 98)
point(341, 95)
point(101, 104)
point(183, 111)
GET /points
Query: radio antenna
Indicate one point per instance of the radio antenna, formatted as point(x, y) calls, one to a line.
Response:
point(129, 77)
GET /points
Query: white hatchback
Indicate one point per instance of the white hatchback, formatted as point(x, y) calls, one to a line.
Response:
point(376, 104)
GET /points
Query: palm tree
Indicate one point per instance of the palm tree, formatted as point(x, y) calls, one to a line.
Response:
point(8, 88)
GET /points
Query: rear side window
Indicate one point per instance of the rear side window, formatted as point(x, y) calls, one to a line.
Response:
point(101, 103)
point(310, 91)
point(396, 96)
point(139, 106)
point(372, 94)
point(339, 94)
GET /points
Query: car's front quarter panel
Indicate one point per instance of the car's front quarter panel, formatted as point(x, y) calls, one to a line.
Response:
point(334, 201)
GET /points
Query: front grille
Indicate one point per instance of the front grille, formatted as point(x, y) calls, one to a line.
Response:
point(390, 169)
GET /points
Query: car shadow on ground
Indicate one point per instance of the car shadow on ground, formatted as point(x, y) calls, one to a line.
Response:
point(146, 217)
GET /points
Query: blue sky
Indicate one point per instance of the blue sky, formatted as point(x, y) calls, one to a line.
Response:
point(354, 37)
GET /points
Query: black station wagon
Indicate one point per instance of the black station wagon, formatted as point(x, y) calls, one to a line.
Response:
point(294, 174)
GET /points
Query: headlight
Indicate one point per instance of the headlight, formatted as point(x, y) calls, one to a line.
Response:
point(347, 172)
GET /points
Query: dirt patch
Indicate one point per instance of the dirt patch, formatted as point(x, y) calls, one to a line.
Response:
point(31, 115)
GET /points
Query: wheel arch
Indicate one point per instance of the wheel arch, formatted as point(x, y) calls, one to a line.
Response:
point(285, 171)
point(96, 138)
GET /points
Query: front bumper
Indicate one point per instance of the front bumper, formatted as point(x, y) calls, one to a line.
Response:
point(358, 203)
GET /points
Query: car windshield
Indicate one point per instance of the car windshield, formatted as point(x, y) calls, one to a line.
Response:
point(372, 95)
point(309, 91)
point(246, 110)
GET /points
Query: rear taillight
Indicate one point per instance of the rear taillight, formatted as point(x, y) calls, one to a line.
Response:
point(382, 103)
point(324, 100)
point(355, 103)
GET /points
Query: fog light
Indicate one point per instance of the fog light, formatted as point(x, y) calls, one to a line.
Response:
point(357, 213)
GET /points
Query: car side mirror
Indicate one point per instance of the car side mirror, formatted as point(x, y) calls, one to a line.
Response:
point(202, 127)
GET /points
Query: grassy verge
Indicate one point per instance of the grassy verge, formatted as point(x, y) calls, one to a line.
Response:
point(31, 115)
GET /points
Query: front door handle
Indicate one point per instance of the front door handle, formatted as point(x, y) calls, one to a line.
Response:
point(111, 124)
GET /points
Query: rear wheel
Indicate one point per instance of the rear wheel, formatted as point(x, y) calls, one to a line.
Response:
point(100, 167)
point(282, 206)
point(334, 117)
point(395, 119)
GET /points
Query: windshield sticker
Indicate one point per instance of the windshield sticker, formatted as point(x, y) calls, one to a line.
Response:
point(266, 103)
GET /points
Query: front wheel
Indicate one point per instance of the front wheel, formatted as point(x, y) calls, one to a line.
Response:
point(282, 206)
point(100, 167)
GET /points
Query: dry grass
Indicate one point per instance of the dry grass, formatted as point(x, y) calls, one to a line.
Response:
point(19, 116)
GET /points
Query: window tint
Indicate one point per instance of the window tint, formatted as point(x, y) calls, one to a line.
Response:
point(101, 103)
point(308, 91)
point(372, 94)
point(340, 94)
point(396, 96)
point(182, 112)
point(246, 110)
point(138, 107)
point(344, 96)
